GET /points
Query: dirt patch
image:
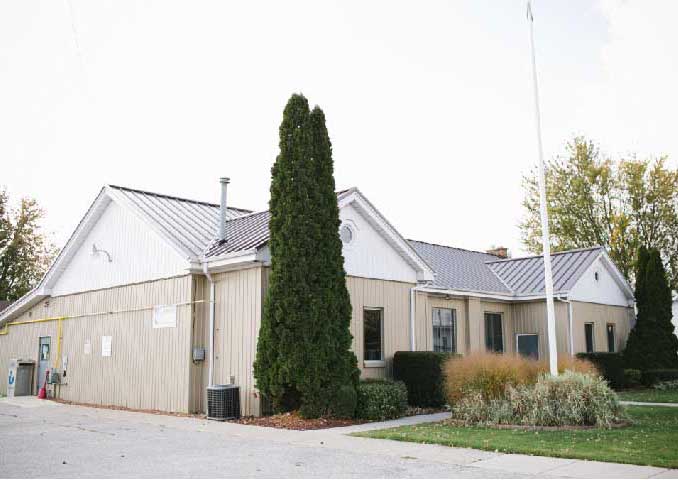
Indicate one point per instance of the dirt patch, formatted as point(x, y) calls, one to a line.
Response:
point(293, 421)
point(458, 423)
point(138, 410)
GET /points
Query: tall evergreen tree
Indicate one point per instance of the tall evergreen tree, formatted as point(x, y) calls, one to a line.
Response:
point(651, 343)
point(303, 352)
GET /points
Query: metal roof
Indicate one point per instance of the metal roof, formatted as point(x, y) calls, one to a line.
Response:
point(190, 223)
point(244, 233)
point(248, 232)
point(459, 269)
point(467, 270)
point(525, 276)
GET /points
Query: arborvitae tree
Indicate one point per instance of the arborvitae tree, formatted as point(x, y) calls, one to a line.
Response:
point(281, 356)
point(303, 353)
point(651, 343)
point(333, 365)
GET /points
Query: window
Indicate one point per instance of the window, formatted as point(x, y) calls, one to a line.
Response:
point(610, 337)
point(527, 344)
point(346, 234)
point(373, 324)
point(588, 332)
point(494, 334)
point(444, 330)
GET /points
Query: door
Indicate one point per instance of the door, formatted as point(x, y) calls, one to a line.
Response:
point(43, 359)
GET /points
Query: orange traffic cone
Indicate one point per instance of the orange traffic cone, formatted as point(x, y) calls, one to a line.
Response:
point(43, 391)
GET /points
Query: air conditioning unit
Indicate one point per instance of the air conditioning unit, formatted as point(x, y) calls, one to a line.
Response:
point(223, 402)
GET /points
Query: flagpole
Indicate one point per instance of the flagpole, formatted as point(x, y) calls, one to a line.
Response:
point(548, 275)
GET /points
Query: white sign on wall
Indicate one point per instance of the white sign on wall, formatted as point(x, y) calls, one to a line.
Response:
point(106, 343)
point(88, 347)
point(165, 316)
point(11, 377)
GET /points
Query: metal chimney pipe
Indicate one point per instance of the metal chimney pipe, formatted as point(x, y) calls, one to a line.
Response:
point(222, 207)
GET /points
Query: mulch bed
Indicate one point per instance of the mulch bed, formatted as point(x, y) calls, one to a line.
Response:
point(293, 421)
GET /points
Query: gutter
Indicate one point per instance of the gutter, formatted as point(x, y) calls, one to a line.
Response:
point(570, 328)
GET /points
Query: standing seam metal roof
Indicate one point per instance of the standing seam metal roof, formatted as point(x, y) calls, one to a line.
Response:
point(525, 276)
point(190, 223)
point(459, 269)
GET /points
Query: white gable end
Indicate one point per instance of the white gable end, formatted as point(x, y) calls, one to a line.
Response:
point(137, 254)
point(605, 290)
point(368, 254)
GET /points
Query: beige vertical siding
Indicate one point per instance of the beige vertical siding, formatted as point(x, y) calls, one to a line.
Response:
point(531, 318)
point(237, 321)
point(600, 316)
point(394, 298)
point(148, 369)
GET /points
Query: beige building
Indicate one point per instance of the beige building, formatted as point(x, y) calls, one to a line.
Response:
point(155, 297)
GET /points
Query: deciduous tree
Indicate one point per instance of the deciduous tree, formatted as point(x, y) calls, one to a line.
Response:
point(620, 205)
point(25, 250)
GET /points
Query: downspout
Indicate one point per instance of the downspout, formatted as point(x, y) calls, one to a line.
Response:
point(413, 345)
point(210, 371)
point(570, 328)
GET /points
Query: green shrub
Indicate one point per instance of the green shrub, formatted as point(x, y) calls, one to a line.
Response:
point(381, 400)
point(422, 373)
point(344, 403)
point(570, 399)
point(632, 378)
point(650, 377)
point(610, 366)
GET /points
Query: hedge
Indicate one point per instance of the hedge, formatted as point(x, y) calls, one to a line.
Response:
point(381, 399)
point(650, 377)
point(610, 365)
point(422, 373)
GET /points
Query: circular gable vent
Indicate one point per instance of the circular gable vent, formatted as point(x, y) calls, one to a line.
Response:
point(346, 234)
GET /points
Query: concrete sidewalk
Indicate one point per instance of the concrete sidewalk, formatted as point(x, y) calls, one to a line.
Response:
point(44, 439)
point(648, 404)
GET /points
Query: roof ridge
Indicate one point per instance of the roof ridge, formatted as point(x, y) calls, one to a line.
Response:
point(563, 252)
point(174, 197)
point(454, 248)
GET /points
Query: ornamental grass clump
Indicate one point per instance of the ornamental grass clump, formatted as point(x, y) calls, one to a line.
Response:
point(490, 374)
point(570, 399)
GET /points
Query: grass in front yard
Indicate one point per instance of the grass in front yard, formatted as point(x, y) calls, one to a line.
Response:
point(651, 440)
point(650, 395)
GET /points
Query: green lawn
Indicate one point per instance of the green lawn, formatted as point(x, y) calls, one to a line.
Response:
point(651, 440)
point(650, 395)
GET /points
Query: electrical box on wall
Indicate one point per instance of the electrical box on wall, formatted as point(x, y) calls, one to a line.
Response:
point(198, 354)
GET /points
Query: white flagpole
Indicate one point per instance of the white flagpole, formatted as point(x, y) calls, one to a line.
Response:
point(548, 275)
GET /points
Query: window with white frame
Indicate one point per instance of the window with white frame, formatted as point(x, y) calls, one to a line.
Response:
point(444, 330)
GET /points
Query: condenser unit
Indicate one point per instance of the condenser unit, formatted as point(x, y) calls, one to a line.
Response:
point(223, 402)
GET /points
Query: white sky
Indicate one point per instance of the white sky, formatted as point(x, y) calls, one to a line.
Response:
point(429, 104)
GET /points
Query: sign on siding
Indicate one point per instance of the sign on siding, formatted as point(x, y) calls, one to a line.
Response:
point(165, 316)
point(88, 347)
point(106, 344)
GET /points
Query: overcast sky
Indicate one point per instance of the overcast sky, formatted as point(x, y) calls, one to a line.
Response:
point(429, 104)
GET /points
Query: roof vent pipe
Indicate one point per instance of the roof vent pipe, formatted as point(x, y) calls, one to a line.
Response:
point(222, 208)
